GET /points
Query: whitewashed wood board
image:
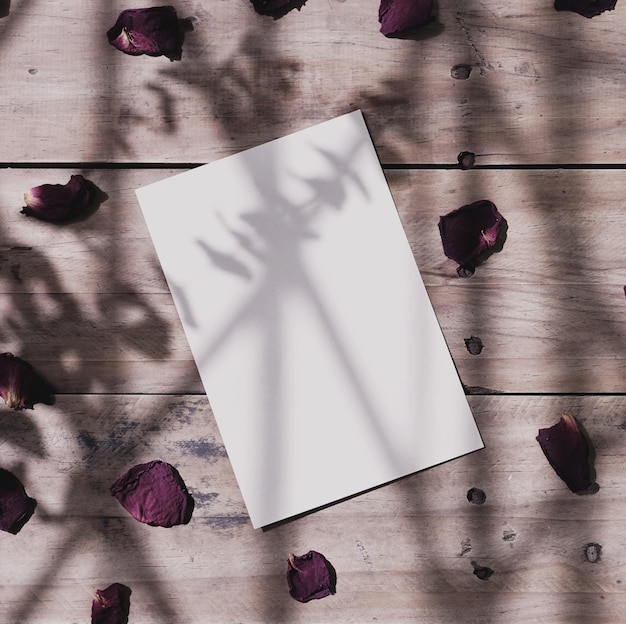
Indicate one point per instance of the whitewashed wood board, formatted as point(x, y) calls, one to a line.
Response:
point(532, 531)
point(87, 303)
point(545, 87)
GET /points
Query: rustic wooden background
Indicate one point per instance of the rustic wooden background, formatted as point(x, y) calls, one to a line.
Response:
point(87, 305)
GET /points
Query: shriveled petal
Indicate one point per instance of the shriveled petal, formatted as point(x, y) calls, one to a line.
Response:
point(111, 605)
point(469, 231)
point(155, 31)
point(59, 202)
point(586, 8)
point(567, 450)
point(310, 576)
point(401, 16)
point(20, 386)
point(154, 493)
point(16, 507)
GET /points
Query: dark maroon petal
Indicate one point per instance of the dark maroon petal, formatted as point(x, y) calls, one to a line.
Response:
point(154, 31)
point(587, 8)
point(154, 493)
point(111, 605)
point(567, 450)
point(469, 231)
point(59, 202)
point(16, 507)
point(400, 16)
point(265, 7)
point(310, 576)
point(20, 386)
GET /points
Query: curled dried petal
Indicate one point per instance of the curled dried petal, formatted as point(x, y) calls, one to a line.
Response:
point(154, 493)
point(155, 31)
point(20, 386)
point(310, 576)
point(567, 450)
point(59, 202)
point(401, 16)
point(586, 8)
point(111, 605)
point(470, 231)
point(16, 507)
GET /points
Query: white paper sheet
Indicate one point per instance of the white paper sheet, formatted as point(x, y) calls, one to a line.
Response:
point(312, 331)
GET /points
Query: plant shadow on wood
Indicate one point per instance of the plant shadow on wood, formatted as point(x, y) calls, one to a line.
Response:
point(242, 92)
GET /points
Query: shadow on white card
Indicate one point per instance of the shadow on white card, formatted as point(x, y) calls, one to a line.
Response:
point(312, 331)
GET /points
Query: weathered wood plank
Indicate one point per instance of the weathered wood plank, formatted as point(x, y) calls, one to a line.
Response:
point(531, 531)
point(546, 87)
point(87, 302)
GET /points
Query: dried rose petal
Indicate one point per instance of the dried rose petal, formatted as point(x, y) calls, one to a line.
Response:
point(567, 451)
point(111, 605)
point(154, 493)
point(59, 202)
point(400, 16)
point(266, 7)
point(586, 8)
point(469, 231)
point(310, 576)
point(154, 31)
point(16, 507)
point(20, 386)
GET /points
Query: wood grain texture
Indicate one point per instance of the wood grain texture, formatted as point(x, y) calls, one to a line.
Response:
point(545, 87)
point(88, 305)
point(532, 531)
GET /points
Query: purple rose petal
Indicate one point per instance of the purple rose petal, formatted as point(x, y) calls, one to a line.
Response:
point(470, 231)
point(154, 493)
point(310, 576)
point(401, 16)
point(111, 605)
point(16, 507)
point(59, 202)
point(20, 386)
point(267, 7)
point(567, 450)
point(154, 31)
point(586, 8)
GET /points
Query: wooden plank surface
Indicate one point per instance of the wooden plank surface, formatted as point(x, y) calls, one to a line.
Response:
point(545, 87)
point(531, 531)
point(88, 305)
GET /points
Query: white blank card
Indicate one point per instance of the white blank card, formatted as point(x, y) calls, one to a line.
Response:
point(307, 317)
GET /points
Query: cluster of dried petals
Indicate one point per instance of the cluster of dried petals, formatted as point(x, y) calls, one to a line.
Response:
point(470, 231)
point(20, 386)
point(567, 450)
point(310, 576)
point(111, 605)
point(267, 7)
point(402, 16)
point(154, 493)
point(59, 202)
point(155, 31)
point(16, 507)
point(586, 8)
